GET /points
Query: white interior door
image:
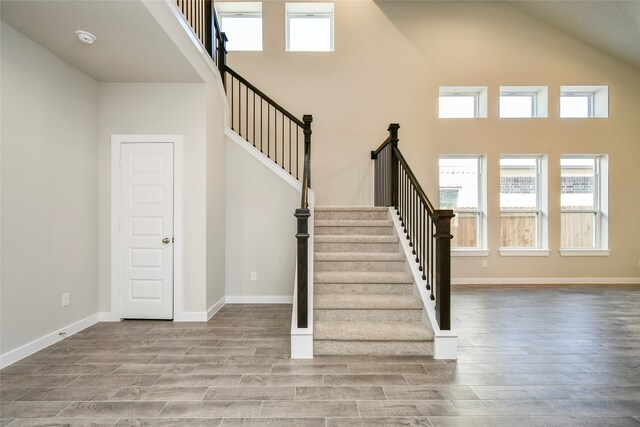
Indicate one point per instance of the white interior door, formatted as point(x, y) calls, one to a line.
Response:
point(146, 231)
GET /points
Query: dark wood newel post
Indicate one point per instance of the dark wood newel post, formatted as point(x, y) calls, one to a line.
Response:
point(307, 119)
point(302, 234)
point(303, 270)
point(443, 267)
point(393, 139)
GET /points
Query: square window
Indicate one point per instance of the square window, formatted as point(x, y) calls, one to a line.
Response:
point(242, 24)
point(523, 102)
point(309, 27)
point(580, 102)
point(522, 206)
point(462, 102)
point(462, 189)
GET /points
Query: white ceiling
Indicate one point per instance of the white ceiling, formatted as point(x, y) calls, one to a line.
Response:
point(131, 45)
point(609, 25)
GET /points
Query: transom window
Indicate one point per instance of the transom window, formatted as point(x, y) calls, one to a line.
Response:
point(523, 102)
point(580, 102)
point(309, 27)
point(462, 102)
point(242, 23)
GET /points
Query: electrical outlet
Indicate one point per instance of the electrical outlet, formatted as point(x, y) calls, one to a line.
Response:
point(65, 299)
point(254, 276)
point(484, 263)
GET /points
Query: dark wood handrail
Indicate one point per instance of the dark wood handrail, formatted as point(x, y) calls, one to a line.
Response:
point(414, 181)
point(427, 229)
point(265, 97)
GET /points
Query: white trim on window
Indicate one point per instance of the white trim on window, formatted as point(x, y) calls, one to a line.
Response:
point(597, 98)
point(537, 94)
point(309, 11)
point(479, 93)
point(541, 247)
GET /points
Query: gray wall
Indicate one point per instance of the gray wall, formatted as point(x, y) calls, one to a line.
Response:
point(49, 192)
point(260, 226)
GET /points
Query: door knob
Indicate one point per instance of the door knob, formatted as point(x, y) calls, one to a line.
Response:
point(166, 240)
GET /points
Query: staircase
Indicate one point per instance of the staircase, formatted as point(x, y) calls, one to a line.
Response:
point(363, 291)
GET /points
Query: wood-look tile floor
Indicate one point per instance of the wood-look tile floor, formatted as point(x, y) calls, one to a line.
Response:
point(527, 358)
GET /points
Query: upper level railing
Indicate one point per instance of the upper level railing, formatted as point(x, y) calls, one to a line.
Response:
point(427, 229)
point(266, 125)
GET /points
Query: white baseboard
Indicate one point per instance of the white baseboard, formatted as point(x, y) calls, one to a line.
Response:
point(190, 316)
point(107, 316)
point(215, 308)
point(47, 340)
point(547, 281)
point(259, 299)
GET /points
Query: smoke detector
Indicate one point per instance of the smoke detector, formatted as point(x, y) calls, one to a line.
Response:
point(86, 37)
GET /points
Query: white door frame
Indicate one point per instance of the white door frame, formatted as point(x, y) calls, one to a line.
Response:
point(116, 144)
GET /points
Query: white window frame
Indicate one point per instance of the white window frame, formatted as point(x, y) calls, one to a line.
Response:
point(539, 99)
point(479, 94)
point(542, 245)
point(598, 100)
point(240, 10)
point(310, 11)
point(481, 210)
point(600, 209)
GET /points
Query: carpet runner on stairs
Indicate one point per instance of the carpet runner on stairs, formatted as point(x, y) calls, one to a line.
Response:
point(364, 301)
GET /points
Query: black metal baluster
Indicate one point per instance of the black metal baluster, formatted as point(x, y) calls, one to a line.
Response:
point(268, 130)
point(261, 125)
point(283, 146)
point(290, 147)
point(232, 127)
point(246, 125)
point(297, 154)
point(275, 135)
point(239, 108)
point(254, 119)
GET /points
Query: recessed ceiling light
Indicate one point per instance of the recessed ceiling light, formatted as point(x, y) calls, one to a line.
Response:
point(86, 37)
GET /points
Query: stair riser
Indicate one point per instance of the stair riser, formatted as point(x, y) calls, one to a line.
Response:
point(354, 231)
point(357, 266)
point(375, 348)
point(373, 315)
point(356, 247)
point(360, 215)
point(353, 289)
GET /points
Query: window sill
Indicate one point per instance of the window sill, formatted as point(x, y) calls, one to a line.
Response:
point(523, 252)
point(584, 252)
point(469, 252)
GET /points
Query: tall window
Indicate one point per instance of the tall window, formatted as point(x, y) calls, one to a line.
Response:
point(579, 102)
point(462, 188)
point(522, 202)
point(242, 23)
point(462, 102)
point(583, 198)
point(309, 27)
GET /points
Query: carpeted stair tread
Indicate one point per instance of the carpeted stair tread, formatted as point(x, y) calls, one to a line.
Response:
point(351, 208)
point(367, 302)
point(330, 238)
point(353, 223)
point(371, 331)
point(362, 256)
point(362, 277)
